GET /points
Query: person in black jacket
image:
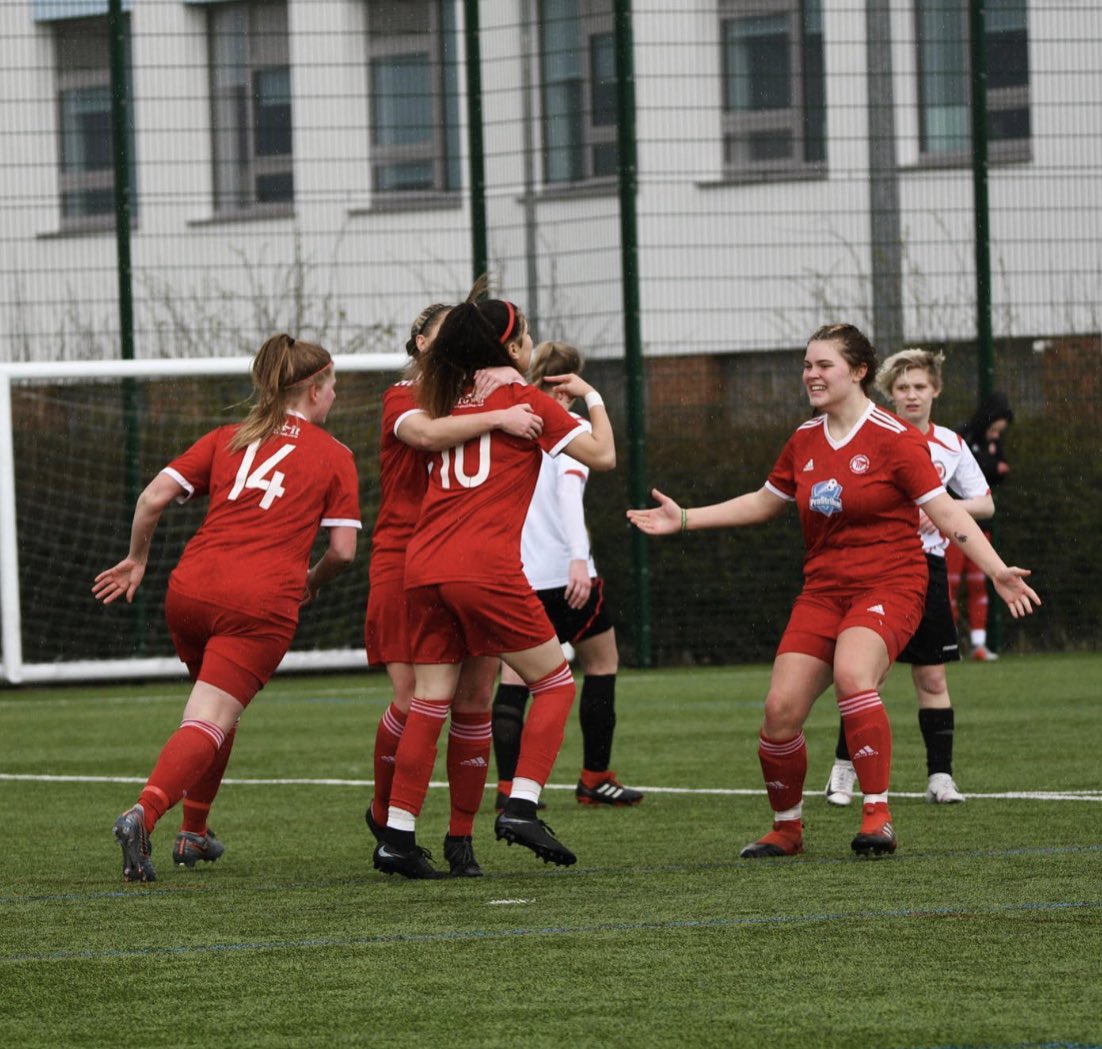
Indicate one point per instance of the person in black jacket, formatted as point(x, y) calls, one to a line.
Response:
point(984, 434)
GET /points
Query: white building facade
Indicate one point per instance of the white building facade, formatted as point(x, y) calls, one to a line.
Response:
point(303, 165)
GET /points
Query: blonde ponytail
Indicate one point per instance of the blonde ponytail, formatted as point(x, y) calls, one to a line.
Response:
point(280, 365)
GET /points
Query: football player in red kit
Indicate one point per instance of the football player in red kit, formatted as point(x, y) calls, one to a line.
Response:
point(912, 380)
point(233, 599)
point(857, 475)
point(408, 436)
point(465, 588)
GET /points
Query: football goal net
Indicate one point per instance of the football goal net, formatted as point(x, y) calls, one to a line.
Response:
point(78, 442)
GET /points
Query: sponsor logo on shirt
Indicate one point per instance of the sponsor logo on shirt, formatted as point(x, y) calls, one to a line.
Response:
point(859, 464)
point(826, 497)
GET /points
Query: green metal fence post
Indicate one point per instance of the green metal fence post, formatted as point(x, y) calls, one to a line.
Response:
point(985, 343)
point(120, 143)
point(477, 164)
point(633, 343)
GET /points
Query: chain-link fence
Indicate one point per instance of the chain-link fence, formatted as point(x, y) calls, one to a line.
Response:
point(684, 190)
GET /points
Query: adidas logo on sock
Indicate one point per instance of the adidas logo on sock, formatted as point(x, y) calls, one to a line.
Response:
point(865, 752)
point(474, 763)
point(775, 784)
point(389, 759)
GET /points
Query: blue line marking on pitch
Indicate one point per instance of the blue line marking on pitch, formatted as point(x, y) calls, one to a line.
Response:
point(458, 936)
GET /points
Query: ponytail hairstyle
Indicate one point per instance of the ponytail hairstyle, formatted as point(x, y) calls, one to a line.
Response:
point(282, 368)
point(423, 323)
point(473, 335)
point(854, 347)
point(889, 372)
point(554, 358)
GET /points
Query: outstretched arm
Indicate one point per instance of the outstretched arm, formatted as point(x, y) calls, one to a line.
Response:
point(668, 517)
point(961, 528)
point(426, 434)
point(597, 449)
point(124, 579)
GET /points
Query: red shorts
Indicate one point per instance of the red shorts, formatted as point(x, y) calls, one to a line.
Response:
point(893, 610)
point(386, 627)
point(450, 621)
point(230, 650)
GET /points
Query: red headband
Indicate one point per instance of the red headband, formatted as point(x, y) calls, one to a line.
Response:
point(512, 321)
point(312, 375)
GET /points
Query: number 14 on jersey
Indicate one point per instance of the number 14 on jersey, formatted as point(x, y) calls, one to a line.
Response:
point(272, 486)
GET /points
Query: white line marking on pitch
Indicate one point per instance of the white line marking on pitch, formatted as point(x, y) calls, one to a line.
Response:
point(506, 903)
point(1012, 795)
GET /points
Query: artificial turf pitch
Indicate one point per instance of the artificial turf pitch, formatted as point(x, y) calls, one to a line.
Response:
point(985, 929)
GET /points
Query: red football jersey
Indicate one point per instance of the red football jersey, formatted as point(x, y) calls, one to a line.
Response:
point(478, 495)
point(403, 480)
point(267, 502)
point(858, 497)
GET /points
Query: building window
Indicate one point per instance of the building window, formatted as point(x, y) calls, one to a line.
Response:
point(774, 94)
point(250, 88)
point(945, 85)
point(578, 68)
point(414, 77)
point(86, 149)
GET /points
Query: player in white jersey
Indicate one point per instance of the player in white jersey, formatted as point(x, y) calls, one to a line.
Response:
point(558, 565)
point(911, 379)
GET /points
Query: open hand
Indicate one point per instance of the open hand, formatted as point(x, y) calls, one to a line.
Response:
point(121, 581)
point(1011, 586)
point(663, 519)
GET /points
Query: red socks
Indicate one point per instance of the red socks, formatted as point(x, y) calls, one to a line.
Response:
point(468, 764)
point(387, 737)
point(784, 768)
point(869, 738)
point(977, 598)
point(201, 794)
point(552, 698)
point(185, 757)
point(416, 754)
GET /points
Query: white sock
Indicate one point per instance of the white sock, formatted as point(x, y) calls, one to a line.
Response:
point(872, 799)
point(399, 819)
point(794, 813)
point(526, 790)
point(979, 638)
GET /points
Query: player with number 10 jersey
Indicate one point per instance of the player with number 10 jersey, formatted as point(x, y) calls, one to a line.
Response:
point(478, 494)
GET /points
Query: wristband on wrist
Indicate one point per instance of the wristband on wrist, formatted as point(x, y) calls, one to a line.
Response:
point(684, 519)
point(593, 399)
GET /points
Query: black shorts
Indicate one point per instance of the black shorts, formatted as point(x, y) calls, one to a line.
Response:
point(576, 624)
point(935, 641)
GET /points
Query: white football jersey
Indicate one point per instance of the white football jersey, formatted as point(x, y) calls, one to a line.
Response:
point(959, 471)
point(554, 530)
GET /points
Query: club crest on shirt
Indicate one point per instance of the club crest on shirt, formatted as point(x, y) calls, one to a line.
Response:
point(826, 497)
point(859, 464)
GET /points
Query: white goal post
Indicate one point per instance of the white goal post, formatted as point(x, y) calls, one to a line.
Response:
point(58, 613)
